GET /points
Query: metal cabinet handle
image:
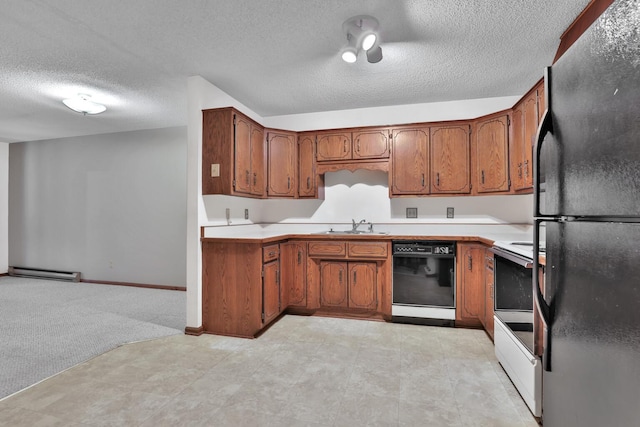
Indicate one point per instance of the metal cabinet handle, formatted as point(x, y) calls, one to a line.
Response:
point(482, 177)
point(247, 177)
point(470, 262)
point(255, 179)
point(308, 183)
point(354, 277)
point(299, 257)
point(437, 179)
point(519, 170)
point(340, 276)
point(358, 145)
point(423, 180)
point(288, 183)
point(272, 253)
point(526, 168)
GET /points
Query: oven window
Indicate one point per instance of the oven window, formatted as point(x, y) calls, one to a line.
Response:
point(425, 281)
point(513, 286)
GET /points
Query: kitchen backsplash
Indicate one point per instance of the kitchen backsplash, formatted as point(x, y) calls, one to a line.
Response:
point(364, 194)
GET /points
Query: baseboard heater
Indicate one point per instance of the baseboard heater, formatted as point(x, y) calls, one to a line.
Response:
point(38, 273)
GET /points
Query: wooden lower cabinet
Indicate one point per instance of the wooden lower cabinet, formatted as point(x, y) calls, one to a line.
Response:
point(270, 291)
point(241, 287)
point(470, 294)
point(293, 264)
point(348, 284)
point(489, 276)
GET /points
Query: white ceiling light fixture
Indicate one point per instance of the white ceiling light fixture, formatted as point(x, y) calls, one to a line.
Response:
point(82, 103)
point(362, 33)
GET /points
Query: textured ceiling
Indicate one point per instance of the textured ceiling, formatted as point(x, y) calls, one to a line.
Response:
point(276, 56)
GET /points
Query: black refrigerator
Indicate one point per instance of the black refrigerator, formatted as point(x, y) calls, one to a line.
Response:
point(587, 206)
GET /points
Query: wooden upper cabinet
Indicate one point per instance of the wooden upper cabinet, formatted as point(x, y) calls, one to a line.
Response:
point(232, 154)
point(450, 162)
point(370, 144)
point(307, 184)
point(542, 104)
point(523, 133)
point(283, 159)
point(332, 146)
point(492, 154)
point(409, 161)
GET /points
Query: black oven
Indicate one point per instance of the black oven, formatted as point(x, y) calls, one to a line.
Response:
point(424, 280)
point(513, 294)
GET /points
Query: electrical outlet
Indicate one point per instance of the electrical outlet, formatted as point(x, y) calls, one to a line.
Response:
point(227, 213)
point(412, 212)
point(246, 214)
point(449, 212)
point(215, 170)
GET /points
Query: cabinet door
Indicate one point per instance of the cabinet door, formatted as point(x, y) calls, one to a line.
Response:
point(362, 285)
point(517, 147)
point(294, 274)
point(333, 284)
point(270, 291)
point(333, 146)
point(530, 128)
point(371, 144)
point(470, 284)
point(243, 155)
point(409, 162)
point(307, 185)
point(488, 286)
point(450, 162)
point(282, 164)
point(257, 161)
point(492, 138)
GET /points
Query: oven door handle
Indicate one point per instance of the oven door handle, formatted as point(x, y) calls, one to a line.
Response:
point(520, 260)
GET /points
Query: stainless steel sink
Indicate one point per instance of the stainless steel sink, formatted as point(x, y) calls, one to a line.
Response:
point(355, 232)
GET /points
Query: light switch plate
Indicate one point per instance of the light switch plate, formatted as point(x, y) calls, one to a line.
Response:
point(246, 214)
point(449, 212)
point(412, 212)
point(215, 170)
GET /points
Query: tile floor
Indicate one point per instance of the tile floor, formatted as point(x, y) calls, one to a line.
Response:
point(304, 371)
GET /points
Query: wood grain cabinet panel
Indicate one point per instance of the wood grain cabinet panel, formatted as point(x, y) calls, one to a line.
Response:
point(282, 163)
point(307, 182)
point(327, 248)
point(470, 295)
point(409, 173)
point(333, 284)
point(492, 139)
point(233, 155)
point(270, 291)
point(333, 146)
point(270, 252)
point(294, 274)
point(489, 293)
point(368, 249)
point(362, 285)
point(371, 144)
point(450, 159)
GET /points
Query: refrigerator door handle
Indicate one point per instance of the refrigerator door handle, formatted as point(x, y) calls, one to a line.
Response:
point(543, 308)
point(545, 127)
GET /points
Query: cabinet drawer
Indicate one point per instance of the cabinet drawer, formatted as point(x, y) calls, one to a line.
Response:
point(271, 252)
point(327, 248)
point(367, 249)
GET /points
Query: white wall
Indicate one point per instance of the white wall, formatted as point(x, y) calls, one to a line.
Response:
point(111, 206)
point(363, 194)
point(4, 207)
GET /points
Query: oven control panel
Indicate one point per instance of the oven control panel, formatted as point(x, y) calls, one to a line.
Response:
point(424, 248)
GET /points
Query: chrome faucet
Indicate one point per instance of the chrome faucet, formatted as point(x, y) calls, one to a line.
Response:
point(355, 226)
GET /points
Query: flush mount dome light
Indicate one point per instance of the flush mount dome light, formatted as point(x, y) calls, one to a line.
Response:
point(82, 103)
point(361, 32)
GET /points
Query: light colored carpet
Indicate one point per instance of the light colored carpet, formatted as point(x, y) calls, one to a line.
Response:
point(48, 326)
